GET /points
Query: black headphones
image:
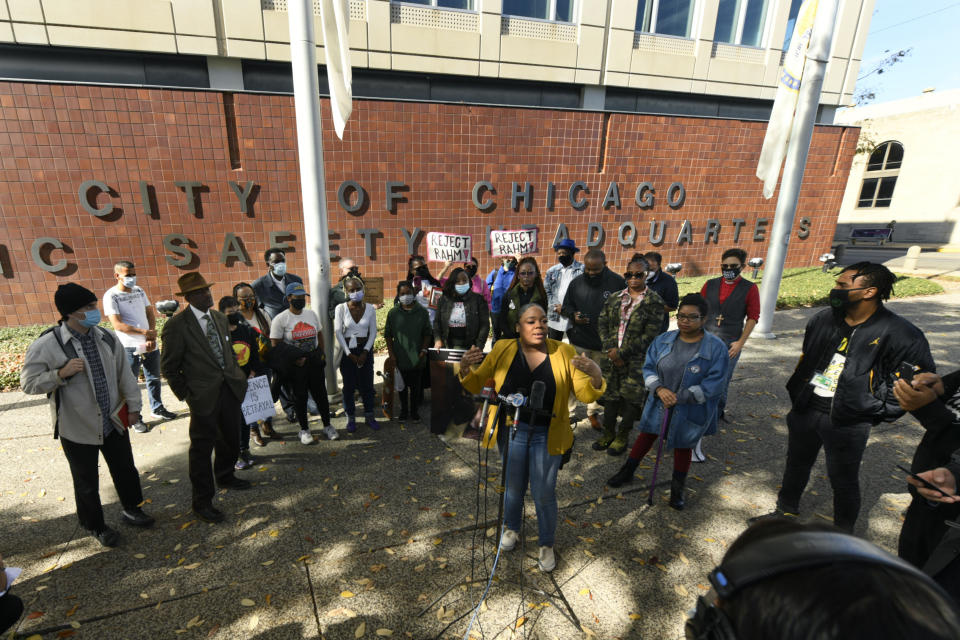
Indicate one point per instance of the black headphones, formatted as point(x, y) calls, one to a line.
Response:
point(775, 556)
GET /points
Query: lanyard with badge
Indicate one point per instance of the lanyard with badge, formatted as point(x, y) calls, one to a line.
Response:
point(825, 382)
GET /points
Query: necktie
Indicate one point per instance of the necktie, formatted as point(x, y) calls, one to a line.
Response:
point(214, 339)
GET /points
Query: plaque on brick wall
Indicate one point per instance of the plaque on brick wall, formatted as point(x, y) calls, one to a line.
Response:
point(372, 290)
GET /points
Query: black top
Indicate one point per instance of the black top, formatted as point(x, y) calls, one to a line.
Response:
point(587, 294)
point(666, 286)
point(520, 377)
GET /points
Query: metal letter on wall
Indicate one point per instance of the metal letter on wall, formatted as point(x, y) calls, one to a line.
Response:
point(657, 231)
point(343, 196)
point(612, 196)
point(713, 231)
point(233, 250)
point(478, 189)
point(551, 195)
point(369, 237)
point(274, 240)
point(627, 234)
point(87, 189)
point(595, 240)
point(644, 195)
point(686, 233)
point(676, 194)
point(412, 238)
point(395, 195)
point(243, 194)
point(190, 188)
point(517, 194)
point(145, 199)
point(760, 229)
point(581, 204)
point(36, 251)
point(561, 234)
point(737, 224)
point(804, 230)
point(177, 243)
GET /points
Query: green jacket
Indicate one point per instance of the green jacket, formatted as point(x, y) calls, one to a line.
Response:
point(643, 326)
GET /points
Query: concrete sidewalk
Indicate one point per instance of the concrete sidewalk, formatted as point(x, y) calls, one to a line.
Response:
point(354, 538)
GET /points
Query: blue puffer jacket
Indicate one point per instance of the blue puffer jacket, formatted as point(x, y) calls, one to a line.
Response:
point(703, 377)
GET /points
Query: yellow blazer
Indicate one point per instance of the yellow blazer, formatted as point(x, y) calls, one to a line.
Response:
point(496, 365)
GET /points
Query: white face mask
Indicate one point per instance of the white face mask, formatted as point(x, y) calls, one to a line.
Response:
point(407, 299)
point(356, 296)
point(129, 281)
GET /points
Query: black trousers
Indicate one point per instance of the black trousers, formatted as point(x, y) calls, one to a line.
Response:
point(11, 608)
point(214, 433)
point(412, 395)
point(495, 325)
point(555, 334)
point(309, 379)
point(84, 467)
point(843, 447)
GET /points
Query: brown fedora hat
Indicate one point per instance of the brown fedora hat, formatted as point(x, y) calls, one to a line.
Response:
point(191, 282)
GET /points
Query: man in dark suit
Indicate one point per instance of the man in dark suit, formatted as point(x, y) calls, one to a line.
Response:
point(271, 287)
point(197, 361)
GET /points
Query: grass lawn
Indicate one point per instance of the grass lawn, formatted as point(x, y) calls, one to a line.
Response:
point(804, 287)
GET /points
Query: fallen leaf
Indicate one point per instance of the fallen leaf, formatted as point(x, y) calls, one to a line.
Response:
point(347, 594)
point(681, 590)
point(361, 630)
point(193, 565)
point(33, 615)
point(247, 602)
point(519, 623)
point(139, 556)
point(635, 616)
point(384, 633)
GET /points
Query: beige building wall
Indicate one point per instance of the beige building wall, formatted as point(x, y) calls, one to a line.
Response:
point(600, 47)
point(926, 199)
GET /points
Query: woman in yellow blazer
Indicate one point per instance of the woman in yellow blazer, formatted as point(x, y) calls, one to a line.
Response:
point(537, 445)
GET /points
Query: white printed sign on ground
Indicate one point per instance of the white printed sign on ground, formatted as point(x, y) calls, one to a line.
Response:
point(258, 403)
point(513, 242)
point(448, 247)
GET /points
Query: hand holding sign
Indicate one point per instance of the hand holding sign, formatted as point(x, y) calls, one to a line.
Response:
point(448, 247)
point(516, 242)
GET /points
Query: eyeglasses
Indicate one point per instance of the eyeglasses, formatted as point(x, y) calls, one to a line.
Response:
point(682, 317)
point(527, 273)
point(246, 297)
point(730, 266)
point(639, 275)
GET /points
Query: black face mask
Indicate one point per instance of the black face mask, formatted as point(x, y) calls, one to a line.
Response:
point(235, 319)
point(298, 304)
point(423, 271)
point(731, 274)
point(565, 260)
point(471, 270)
point(840, 302)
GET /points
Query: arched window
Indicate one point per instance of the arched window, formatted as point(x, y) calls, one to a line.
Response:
point(880, 177)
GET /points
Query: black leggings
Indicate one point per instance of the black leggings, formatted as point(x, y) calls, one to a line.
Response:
point(11, 608)
point(309, 379)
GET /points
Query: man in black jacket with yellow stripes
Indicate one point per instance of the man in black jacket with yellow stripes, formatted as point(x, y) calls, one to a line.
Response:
point(843, 385)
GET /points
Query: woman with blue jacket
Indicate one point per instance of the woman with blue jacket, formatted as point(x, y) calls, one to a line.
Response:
point(683, 372)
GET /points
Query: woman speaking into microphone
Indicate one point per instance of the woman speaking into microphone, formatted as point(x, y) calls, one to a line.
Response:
point(538, 440)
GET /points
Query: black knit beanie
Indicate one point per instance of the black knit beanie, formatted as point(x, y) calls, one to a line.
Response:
point(71, 296)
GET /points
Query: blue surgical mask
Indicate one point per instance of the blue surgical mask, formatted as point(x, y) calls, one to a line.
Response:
point(356, 296)
point(130, 281)
point(90, 318)
point(279, 269)
point(462, 288)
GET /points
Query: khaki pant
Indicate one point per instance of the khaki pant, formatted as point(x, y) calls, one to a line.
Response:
point(593, 408)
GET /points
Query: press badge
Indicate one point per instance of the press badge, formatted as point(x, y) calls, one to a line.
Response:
point(826, 381)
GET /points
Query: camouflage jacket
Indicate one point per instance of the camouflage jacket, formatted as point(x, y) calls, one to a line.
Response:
point(643, 326)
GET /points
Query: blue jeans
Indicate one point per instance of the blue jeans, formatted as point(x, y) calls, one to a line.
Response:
point(529, 460)
point(726, 382)
point(358, 377)
point(151, 371)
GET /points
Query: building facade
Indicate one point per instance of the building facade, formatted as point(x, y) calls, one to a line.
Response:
point(163, 131)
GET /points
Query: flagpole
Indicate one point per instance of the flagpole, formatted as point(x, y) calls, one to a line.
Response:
point(814, 69)
point(306, 97)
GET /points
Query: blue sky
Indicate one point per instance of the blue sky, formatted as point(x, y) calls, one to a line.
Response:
point(935, 39)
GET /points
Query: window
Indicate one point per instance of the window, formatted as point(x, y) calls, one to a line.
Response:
point(558, 10)
point(791, 22)
point(741, 22)
point(880, 178)
point(449, 4)
point(668, 17)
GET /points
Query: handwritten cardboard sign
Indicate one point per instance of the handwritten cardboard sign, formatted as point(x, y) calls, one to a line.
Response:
point(447, 247)
point(512, 242)
point(258, 403)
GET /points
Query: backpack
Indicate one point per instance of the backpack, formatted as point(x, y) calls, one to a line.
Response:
point(71, 353)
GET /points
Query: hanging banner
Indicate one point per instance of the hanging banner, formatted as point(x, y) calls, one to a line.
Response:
point(510, 243)
point(448, 247)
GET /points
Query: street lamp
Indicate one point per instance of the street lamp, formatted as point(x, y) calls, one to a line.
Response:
point(829, 261)
point(756, 263)
point(673, 268)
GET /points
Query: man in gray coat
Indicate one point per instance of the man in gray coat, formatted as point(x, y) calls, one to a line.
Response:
point(93, 397)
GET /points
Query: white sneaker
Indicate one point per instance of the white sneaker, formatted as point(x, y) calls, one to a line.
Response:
point(509, 539)
point(306, 437)
point(698, 453)
point(330, 432)
point(548, 562)
point(140, 427)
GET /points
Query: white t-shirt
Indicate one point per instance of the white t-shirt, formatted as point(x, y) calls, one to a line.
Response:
point(298, 330)
point(566, 277)
point(347, 330)
point(131, 306)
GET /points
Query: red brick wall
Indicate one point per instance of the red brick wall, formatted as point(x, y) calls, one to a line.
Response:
point(54, 137)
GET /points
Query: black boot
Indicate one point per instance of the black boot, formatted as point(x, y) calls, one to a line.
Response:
point(676, 490)
point(625, 474)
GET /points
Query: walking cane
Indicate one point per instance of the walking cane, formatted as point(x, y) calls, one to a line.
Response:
point(656, 465)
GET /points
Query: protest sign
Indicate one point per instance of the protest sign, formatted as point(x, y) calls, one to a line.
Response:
point(258, 403)
point(516, 241)
point(447, 247)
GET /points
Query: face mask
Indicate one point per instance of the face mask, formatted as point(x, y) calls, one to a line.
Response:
point(298, 304)
point(279, 269)
point(356, 296)
point(130, 281)
point(565, 260)
point(841, 303)
point(462, 288)
point(652, 275)
point(407, 299)
point(509, 265)
point(731, 274)
point(248, 304)
point(236, 319)
point(422, 271)
point(90, 318)
point(471, 270)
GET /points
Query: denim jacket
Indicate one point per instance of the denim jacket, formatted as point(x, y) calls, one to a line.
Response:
point(551, 284)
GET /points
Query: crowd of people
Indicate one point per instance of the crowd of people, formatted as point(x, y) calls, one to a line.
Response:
point(578, 332)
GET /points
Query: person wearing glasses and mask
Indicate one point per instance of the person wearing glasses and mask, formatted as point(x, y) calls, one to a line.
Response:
point(271, 287)
point(629, 322)
point(525, 288)
point(355, 327)
point(499, 281)
point(684, 372)
point(477, 285)
point(555, 283)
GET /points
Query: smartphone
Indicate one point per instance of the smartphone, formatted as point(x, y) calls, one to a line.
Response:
point(921, 480)
point(906, 371)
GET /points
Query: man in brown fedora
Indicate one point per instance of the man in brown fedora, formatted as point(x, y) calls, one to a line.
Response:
point(197, 361)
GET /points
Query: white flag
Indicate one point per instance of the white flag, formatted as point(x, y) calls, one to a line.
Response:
point(785, 104)
point(335, 21)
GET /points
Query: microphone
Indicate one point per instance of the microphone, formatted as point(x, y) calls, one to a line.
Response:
point(519, 400)
point(488, 394)
point(514, 399)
